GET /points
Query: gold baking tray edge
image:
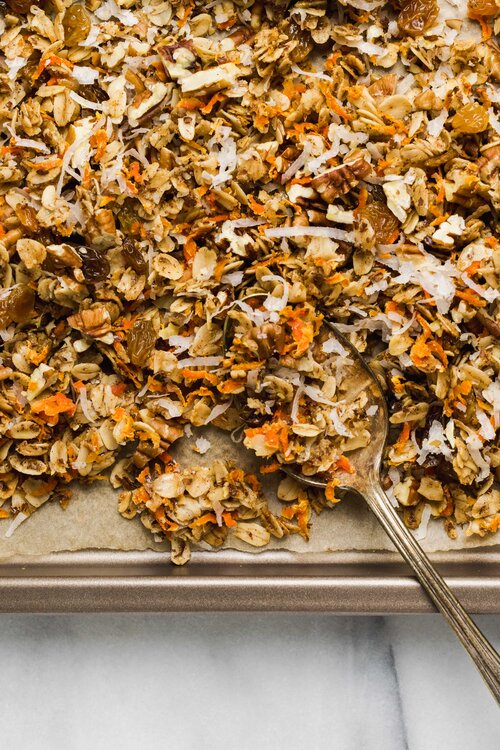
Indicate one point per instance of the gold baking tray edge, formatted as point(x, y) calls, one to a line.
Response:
point(338, 582)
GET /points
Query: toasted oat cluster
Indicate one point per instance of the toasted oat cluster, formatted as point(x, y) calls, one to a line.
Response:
point(187, 190)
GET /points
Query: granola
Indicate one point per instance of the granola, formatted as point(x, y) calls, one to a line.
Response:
point(187, 190)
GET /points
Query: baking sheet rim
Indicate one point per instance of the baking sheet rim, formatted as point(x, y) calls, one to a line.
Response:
point(341, 583)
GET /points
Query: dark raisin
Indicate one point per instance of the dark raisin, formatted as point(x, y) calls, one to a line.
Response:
point(133, 256)
point(141, 339)
point(93, 92)
point(95, 265)
point(19, 6)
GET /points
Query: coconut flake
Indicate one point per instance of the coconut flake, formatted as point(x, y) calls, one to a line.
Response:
point(199, 362)
point(91, 39)
point(275, 304)
point(487, 431)
point(217, 411)
point(181, 343)
point(331, 232)
point(84, 75)
point(487, 293)
point(474, 446)
point(291, 376)
point(78, 153)
point(234, 279)
point(299, 162)
point(110, 9)
point(29, 143)
point(17, 521)
point(491, 394)
point(294, 411)
point(368, 48)
point(436, 125)
point(395, 478)
point(202, 445)
point(316, 395)
point(494, 121)
point(333, 346)
point(86, 103)
point(87, 408)
point(421, 532)
point(226, 154)
point(172, 407)
point(430, 274)
point(338, 425)
point(14, 65)
point(436, 443)
point(308, 73)
point(313, 164)
point(136, 155)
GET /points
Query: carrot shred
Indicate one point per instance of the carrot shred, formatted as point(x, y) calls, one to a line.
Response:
point(185, 16)
point(403, 438)
point(228, 519)
point(257, 208)
point(189, 374)
point(52, 406)
point(202, 520)
point(470, 296)
point(270, 468)
point(343, 464)
point(275, 435)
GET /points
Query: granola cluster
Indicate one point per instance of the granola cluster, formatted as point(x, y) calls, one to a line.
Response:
point(187, 190)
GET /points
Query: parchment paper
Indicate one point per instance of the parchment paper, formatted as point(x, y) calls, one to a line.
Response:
point(92, 521)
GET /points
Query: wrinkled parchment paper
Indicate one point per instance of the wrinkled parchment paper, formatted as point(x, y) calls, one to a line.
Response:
point(92, 521)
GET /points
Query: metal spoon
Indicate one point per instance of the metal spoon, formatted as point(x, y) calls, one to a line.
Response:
point(365, 481)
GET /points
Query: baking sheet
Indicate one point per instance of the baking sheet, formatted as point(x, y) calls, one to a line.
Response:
point(92, 521)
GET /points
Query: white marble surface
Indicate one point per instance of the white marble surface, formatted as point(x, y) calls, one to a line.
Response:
point(239, 682)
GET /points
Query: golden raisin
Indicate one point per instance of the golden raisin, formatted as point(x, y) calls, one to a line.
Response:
point(303, 43)
point(16, 305)
point(27, 217)
point(484, 8)
point(141, 339)
point(76, 25)
point(473, 118)
point(416, 16)
point(382, 221)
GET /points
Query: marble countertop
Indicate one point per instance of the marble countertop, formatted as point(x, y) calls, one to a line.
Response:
point(239, 682)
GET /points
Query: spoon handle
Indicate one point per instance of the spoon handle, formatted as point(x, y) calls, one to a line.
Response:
point(478, 647)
